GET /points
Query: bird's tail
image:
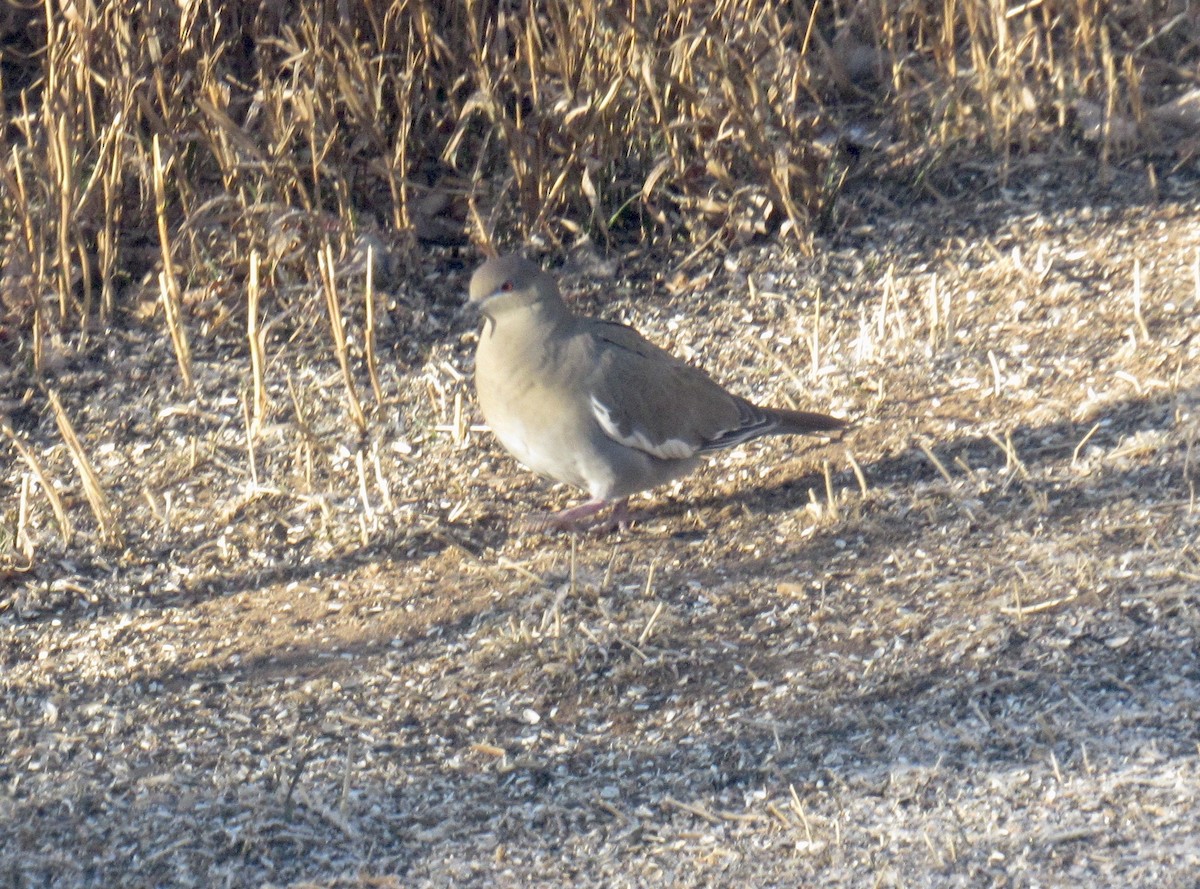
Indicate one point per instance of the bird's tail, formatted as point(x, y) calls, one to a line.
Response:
point(789, 422)
point(758, 421)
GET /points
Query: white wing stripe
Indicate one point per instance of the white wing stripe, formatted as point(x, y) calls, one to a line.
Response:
point(671, 449)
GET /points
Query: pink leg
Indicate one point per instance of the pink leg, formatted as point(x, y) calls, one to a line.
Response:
point(581, 517)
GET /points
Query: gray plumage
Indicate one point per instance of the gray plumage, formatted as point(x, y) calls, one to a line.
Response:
point(594, 404)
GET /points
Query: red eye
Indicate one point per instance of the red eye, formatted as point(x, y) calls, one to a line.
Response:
point(506, 287)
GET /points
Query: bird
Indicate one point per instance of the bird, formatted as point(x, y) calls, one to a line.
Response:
point(594, 404)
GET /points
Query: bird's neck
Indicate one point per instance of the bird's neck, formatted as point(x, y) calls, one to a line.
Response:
point(517, 349)
point(530, 324)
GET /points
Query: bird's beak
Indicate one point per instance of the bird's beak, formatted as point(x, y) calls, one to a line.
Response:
point(474, 308)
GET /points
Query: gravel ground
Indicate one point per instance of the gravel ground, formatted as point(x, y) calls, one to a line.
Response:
point(957, 647)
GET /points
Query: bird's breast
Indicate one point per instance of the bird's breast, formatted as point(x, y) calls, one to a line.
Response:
point(531, 405)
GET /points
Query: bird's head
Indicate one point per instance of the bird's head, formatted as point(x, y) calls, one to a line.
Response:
point(513, 282)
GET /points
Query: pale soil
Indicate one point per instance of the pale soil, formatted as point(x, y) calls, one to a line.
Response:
point(356, 672)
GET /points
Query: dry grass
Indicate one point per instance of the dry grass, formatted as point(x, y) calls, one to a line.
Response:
point(254, 128)
point(260, 626)
point(965, 655)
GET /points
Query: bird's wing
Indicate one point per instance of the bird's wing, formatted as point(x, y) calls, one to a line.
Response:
point(646, 398)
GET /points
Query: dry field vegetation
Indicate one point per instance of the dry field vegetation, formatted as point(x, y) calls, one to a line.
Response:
point(266, 614)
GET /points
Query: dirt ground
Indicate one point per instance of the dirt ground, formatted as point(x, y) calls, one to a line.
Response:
point(955, 647)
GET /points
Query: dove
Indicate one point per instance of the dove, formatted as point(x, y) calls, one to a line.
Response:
point(594, 404)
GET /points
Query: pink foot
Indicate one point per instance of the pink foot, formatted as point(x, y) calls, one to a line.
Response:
point(582, 517)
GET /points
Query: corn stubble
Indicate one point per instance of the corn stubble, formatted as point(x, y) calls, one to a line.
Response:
point(179, 163)
point(645, 121)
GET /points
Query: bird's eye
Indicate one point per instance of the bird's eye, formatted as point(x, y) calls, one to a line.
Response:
point(506, 287)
